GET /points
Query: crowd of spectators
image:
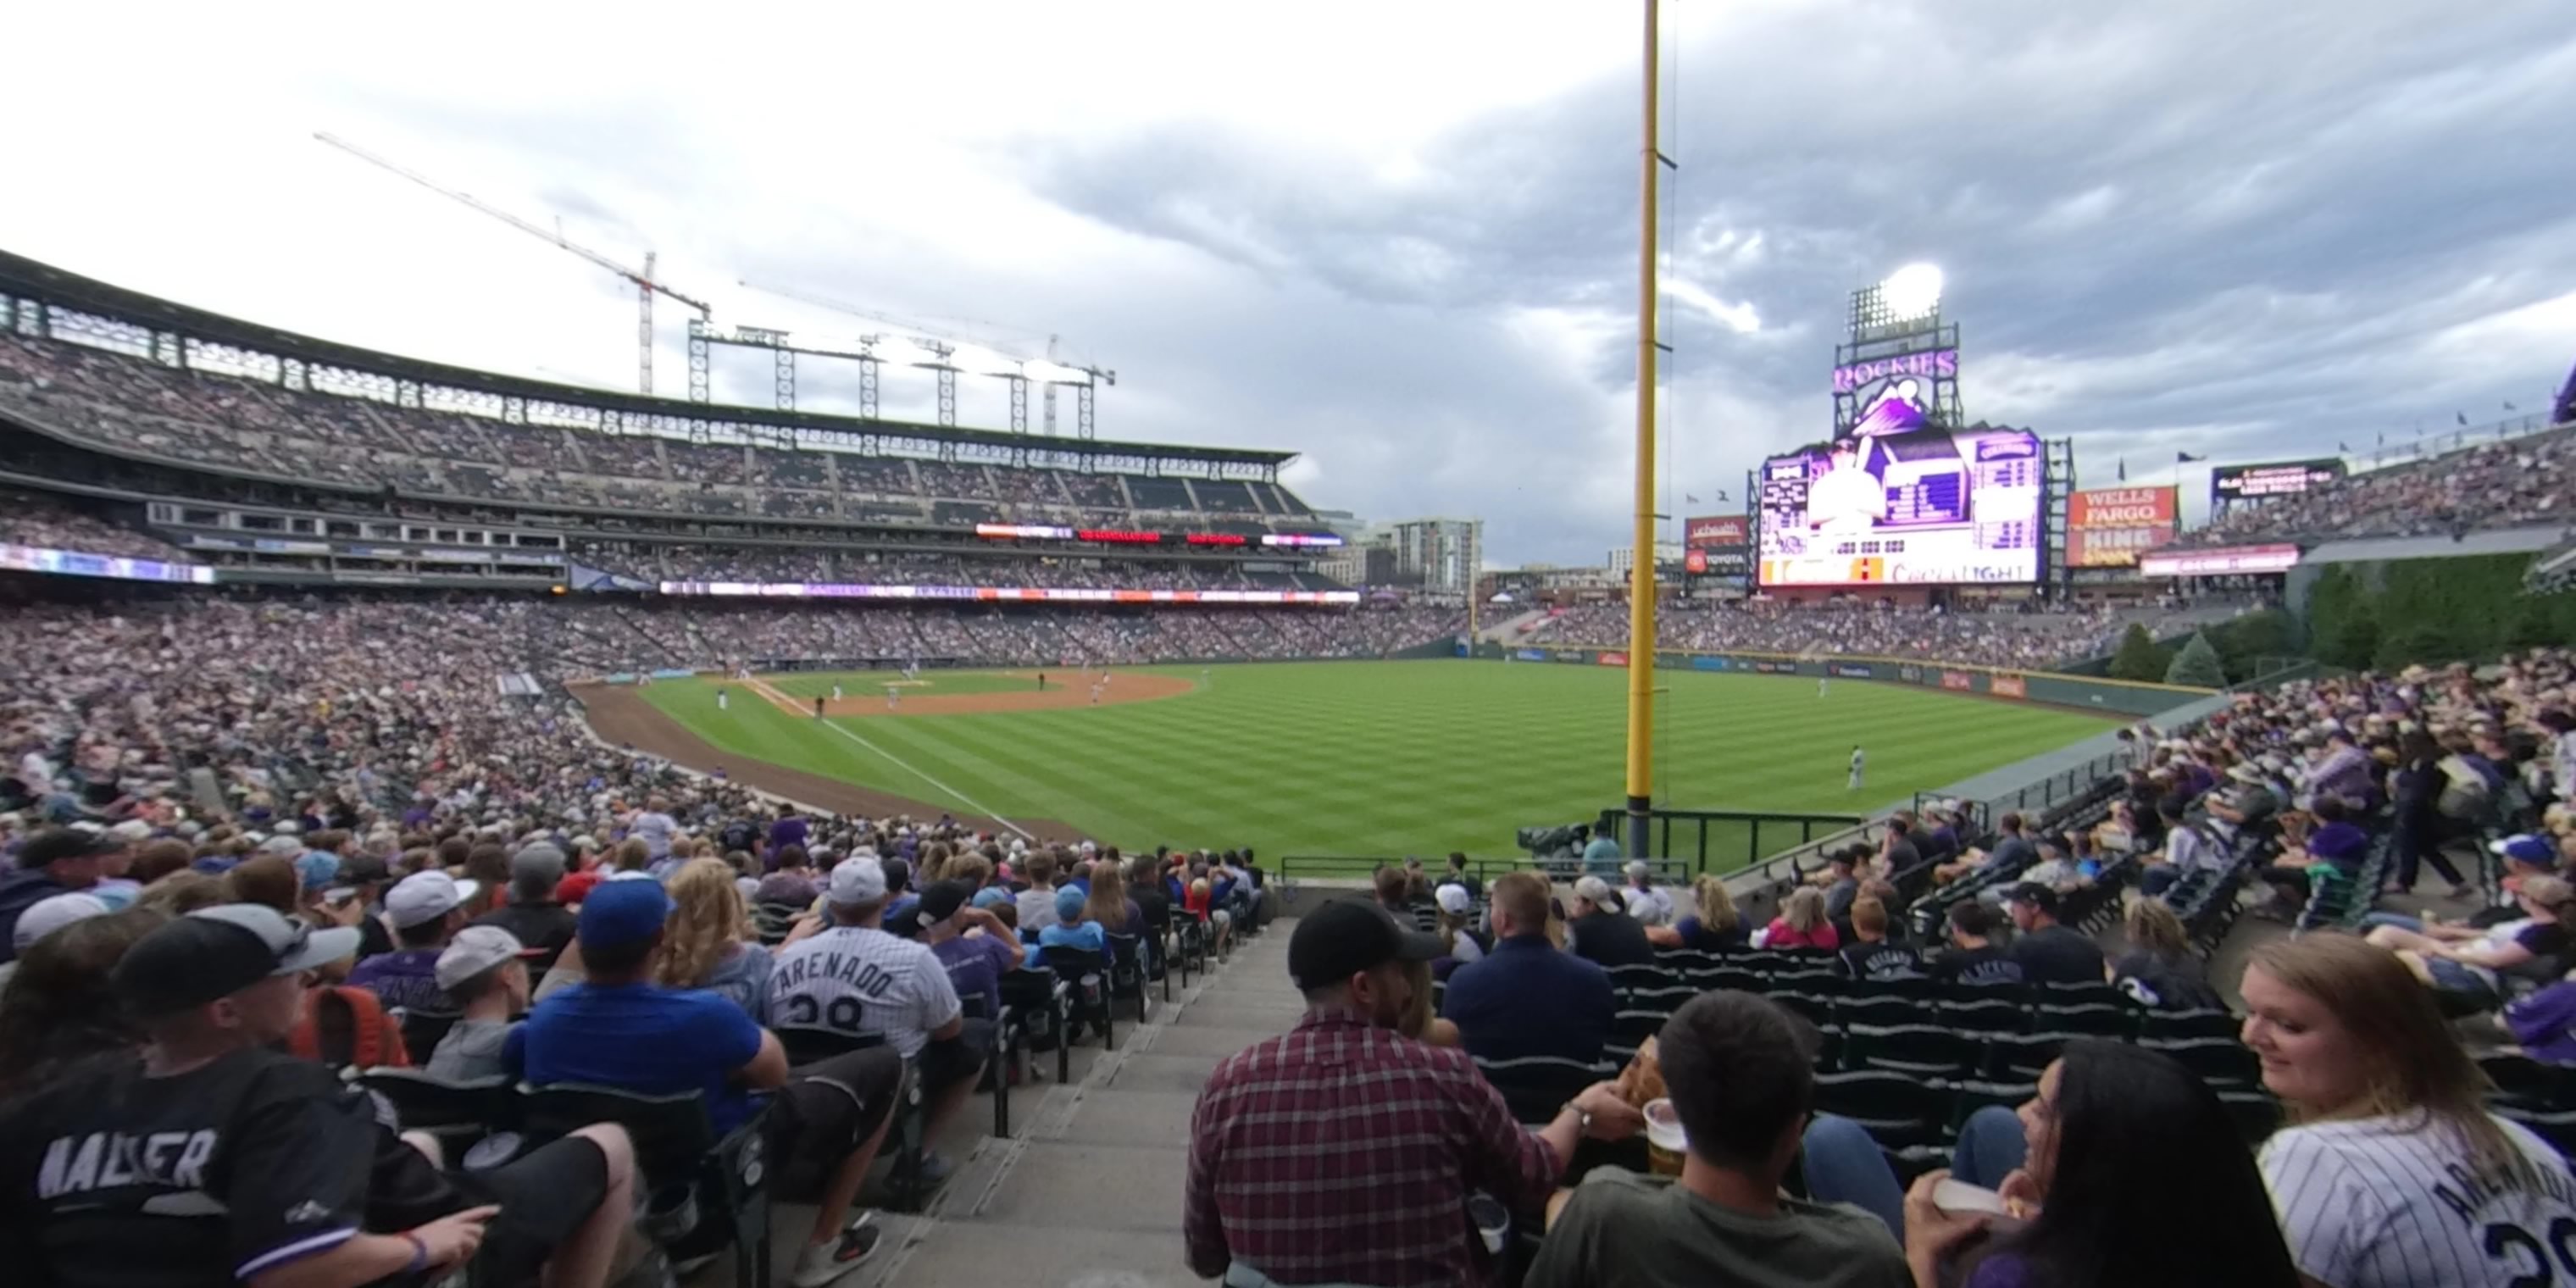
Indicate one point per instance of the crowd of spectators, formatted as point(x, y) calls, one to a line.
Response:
point(1997, 637)
point(2513, 483)
point(31, 519)
point(234, 422)
point(2398, 1163)
point(769, 563)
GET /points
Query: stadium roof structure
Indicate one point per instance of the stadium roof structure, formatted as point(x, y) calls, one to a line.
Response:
point(55, 287)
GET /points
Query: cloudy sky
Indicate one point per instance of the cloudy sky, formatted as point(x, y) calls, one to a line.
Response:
point(1396, 237)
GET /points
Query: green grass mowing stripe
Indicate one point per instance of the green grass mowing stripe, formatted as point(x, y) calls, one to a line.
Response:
point(1417, 757)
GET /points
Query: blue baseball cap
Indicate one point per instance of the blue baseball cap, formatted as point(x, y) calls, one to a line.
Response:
point(619, 913)
point(990, 895)
point(2527, 848)
point(317, 868)
point(1068, 904)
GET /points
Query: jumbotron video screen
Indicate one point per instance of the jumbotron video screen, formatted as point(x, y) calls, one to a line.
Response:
point(1923, 506)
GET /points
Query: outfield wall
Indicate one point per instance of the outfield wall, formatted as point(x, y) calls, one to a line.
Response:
point(2049, 688)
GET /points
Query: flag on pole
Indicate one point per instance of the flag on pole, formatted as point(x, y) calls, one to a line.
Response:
point(2124, 469)
point(1692, 499)
point(2186, 458)
point(2341, 446)
point(2508, 407)
point(2463, 418)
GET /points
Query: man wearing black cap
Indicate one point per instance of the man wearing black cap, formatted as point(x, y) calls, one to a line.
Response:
point(214, 1159)
point(58, 860)
point(1343, 1152)
point(2048, 952)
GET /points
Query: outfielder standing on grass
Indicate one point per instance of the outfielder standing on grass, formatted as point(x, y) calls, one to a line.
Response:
point(893, 696)
point(1857, 761)
point(720, 697)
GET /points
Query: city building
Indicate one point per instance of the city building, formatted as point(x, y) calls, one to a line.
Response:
point(1446, 554)
point(1624, 558)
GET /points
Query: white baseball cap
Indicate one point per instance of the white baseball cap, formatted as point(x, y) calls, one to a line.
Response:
point(45, 916)
point(858, 879)
point(475, 950)
point(426, 896)
point(1454, 900)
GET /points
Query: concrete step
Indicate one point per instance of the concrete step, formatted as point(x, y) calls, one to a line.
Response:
point(1157, 1071)
point(1086, 1187)
point(1117, 1115)
point(977, 1254)
point(1208, 1040)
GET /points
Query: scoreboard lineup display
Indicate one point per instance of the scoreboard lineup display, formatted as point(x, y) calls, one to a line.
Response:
point(1924, 507)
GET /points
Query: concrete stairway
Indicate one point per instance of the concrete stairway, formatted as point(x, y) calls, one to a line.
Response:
point(1087, 1193)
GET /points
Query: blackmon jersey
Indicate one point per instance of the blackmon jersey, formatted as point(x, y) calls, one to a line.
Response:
point(863, 981)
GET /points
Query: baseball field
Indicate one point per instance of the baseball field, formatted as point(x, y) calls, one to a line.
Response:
point(1335, 758)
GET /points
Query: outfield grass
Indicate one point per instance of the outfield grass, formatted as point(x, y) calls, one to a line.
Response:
point(1396, 757)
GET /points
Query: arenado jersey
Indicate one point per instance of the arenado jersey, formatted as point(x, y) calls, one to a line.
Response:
point(864, 982)
point(2381, 1202)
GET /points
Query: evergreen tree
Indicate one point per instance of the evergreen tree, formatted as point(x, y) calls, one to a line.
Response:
point(2197, 665)
point(2138, 659)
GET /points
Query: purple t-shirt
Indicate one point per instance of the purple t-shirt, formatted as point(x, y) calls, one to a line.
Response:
point(786, 831)
point(975, 965)
point(407, 978)
point(2545, 1023)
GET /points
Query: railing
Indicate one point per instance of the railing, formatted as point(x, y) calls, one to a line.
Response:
point(2064, 786)
point(1361, 867)
point(1763, 832)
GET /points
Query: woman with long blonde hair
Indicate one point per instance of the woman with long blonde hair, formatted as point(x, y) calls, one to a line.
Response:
point(710, 942)
point(1107, 901)
point(1714, 926)
point(2160, 969)
point(2392, 1172)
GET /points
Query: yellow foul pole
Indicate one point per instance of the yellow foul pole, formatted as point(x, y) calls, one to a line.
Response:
point(1641, 572)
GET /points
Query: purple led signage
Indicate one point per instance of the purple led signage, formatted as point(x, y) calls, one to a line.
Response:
point(1935, 364)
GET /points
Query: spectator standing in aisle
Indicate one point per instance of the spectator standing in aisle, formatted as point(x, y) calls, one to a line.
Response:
point(1742, 1083)
point(1343, 1153)
point(1601, 855)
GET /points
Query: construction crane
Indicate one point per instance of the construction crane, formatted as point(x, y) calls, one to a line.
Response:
point(646, 286)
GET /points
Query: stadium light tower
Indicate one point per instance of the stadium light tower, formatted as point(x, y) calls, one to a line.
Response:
point(1911, 292)
point(646, 285)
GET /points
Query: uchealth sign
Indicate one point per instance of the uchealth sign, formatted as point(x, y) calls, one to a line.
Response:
point(2112, 527)
point(1714, 530)
point(1612, 659)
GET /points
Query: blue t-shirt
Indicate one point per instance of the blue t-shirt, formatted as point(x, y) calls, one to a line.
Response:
point(641, 1037)
point(1085, 935)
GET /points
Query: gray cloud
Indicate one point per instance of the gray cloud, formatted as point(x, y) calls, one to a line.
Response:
point(2198, 227)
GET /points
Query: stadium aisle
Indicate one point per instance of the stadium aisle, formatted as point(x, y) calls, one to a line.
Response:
point(1087, 1194)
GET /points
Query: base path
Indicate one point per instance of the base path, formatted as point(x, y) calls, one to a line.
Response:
point(1058, 695)
point(622, 717)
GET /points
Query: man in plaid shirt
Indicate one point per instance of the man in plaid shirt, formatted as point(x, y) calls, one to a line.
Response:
point(1344, 1152)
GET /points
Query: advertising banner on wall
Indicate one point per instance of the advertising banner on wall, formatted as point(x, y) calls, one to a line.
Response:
point(2009, 686)
point(2221, 562)
point(1848, 670)
point(1612, 659)
point(1959, 680)
point(2112, 527)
